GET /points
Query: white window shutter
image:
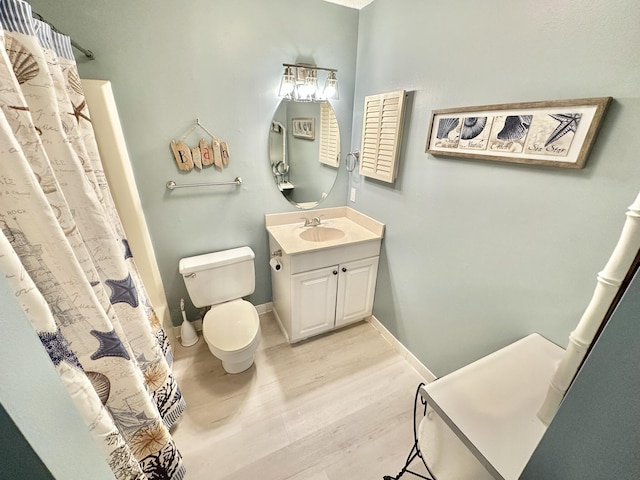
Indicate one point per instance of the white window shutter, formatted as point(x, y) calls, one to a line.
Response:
point(329, 136)
point(381, 135)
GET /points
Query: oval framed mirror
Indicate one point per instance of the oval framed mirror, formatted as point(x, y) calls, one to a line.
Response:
point(304, 151)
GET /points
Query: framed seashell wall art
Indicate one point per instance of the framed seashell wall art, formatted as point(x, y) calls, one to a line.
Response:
point(556, 133)
point(205, 153)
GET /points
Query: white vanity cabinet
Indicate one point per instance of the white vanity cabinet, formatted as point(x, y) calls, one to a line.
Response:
point(331, 297)
point(327, 272)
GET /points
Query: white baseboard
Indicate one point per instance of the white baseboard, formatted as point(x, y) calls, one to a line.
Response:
point(197, 324)
point(402, 350)
point(375, 323)
point(264, 308)
point(279, 322)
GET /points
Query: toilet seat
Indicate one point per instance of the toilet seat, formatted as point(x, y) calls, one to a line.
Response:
point(231, 326)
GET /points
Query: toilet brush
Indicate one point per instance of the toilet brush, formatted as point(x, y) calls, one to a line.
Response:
point(188, 335)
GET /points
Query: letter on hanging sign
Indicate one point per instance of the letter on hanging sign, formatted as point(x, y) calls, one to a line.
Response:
point(206, 154)
point(224, 150)
point(217, 154)
point(182, 154)
point(197, 158)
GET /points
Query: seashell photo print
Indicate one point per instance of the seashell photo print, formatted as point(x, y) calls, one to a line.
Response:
point(554, 133)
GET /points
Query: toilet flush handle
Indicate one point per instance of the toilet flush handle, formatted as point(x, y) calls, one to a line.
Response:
point(190, 275)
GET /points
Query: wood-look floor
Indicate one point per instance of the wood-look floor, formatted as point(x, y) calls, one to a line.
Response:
point(337, 407)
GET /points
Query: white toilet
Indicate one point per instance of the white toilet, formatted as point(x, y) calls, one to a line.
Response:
point(231, 327)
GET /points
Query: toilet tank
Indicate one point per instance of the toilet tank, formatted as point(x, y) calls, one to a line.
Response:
point(218, 277)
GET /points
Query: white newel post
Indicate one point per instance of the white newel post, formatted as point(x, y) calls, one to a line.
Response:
point(609, 281)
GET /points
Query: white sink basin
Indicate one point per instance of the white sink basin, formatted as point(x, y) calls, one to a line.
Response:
point(340, 226)
point(321, 234)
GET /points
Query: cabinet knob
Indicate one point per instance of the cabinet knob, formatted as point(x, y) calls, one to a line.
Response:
point(335, 272)
point(344, 269)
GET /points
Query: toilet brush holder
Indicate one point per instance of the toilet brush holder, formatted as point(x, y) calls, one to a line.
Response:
point(188, 334)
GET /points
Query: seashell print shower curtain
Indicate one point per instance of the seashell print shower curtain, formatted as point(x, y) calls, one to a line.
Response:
point(64, 251)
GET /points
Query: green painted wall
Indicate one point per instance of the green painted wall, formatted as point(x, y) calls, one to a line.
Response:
point(19, 460)
point(220, 61)
point(478, 254)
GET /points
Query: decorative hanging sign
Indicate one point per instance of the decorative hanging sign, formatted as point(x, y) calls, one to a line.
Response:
point(203, 154)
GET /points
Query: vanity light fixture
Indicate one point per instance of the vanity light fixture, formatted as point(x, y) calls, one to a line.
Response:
point(302, 86)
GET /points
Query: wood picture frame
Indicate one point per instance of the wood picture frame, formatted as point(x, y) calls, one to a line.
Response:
point(556, 133)
point(304, 127)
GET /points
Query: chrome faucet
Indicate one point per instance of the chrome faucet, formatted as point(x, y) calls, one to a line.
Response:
point(312, 222)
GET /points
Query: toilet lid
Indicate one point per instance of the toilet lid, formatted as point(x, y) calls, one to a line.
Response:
point(231, 326)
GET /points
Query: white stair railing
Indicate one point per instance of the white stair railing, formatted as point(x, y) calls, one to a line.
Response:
point(608, 284)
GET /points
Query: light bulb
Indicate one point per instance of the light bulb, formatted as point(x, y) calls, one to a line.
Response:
point(287, 84)
point(311, 85)
point(331, 87)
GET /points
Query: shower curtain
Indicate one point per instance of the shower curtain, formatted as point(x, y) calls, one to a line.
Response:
point(64, 252)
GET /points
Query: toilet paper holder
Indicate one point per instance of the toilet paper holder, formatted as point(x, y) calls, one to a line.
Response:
point(274, 262)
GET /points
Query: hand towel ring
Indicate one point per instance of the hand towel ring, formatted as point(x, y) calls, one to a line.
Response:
point(351, 165)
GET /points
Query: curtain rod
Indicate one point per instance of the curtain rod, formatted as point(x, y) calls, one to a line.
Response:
point(88, 53)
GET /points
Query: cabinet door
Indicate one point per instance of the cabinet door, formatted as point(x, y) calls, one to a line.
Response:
point(313, 302)
point(356, 287)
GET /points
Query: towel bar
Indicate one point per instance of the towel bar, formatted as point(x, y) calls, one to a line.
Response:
point(173, 185)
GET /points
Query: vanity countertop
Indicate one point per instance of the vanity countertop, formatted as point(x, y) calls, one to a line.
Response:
point(286, 229)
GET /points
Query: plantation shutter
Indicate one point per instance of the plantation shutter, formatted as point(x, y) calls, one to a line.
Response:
point(381, 135)
point(329, 136)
